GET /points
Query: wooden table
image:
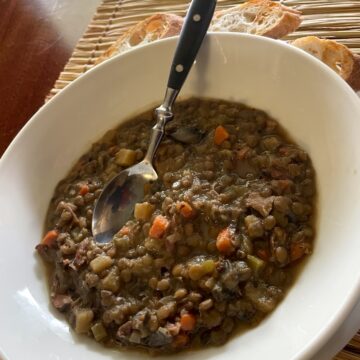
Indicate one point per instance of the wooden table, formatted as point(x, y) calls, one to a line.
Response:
point(36, 39)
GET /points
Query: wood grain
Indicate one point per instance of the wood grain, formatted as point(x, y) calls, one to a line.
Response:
point(33, 51)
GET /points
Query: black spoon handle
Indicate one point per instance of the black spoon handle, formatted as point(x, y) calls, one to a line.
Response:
point(196, 24)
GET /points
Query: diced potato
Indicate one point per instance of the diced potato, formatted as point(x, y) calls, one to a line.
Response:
point(125, 157)
point(101, 263)
point(255, 263)
point(111, 282)
point(143, 211)
point(99, 331)
point(83, 319)
point(208, 266)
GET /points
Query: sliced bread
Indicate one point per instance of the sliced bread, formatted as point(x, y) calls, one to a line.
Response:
point(259, 17)
point(158, 26)
point(335, 55)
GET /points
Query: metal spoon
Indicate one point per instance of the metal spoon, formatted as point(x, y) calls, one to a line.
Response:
point(117, 201)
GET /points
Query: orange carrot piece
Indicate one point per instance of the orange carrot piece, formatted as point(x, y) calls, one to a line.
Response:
point(297, 250)
point(224, 241)
point(187, 322)
point(180, 340)
point(158, 227)
point(220, 135)
point(185, 209)
point(50, 238)
point(84, 189)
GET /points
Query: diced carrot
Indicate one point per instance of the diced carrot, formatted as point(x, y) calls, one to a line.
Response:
point(224, 241)
point(297, 250)
point(84, 189)
point(263, 254)
point(125, 230)
point(50, 238)
point(220, 135)
point(185, 209)
point(180, 340)
point(158, 227)
point(187, 322)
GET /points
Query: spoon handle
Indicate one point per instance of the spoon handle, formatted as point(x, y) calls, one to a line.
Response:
point(196, 24)
point(192, 34)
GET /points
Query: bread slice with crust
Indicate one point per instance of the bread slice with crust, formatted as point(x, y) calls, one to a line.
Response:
point(335, 55)
point(155, 27)
point(259, 17)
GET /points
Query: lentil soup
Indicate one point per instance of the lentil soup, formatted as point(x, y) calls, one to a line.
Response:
point(212, 247)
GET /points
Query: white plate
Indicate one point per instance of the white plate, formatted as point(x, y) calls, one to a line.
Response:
point(342, 336)
point(320, 111)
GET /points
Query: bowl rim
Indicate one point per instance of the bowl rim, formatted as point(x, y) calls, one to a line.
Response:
point(328, 329)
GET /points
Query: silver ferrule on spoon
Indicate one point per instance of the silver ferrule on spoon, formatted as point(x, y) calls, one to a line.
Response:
point(118, 198)
point(163, 115)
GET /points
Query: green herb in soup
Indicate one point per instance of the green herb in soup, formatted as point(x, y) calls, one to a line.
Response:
point(212, 246)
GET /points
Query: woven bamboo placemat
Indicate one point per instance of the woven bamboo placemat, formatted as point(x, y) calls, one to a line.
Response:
point(333, 19)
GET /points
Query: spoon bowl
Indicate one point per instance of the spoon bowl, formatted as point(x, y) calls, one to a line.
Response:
point(115, 205)
point(117, 201)
point(313, 104)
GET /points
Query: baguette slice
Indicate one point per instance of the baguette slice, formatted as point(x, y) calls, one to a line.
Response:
point(259, 17)
point(335, 55)
point(158, 26)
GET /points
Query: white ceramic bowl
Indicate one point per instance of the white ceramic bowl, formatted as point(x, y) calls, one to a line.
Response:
point(318, 109)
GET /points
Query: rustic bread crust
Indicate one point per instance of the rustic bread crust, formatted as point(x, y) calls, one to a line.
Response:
point(290, 21)
point(335, 55)
point(354, 78)
point(261, 17)
point(158, 26)
point(279, 20)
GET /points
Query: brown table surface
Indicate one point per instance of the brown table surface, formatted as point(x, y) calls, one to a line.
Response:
point(36, 39)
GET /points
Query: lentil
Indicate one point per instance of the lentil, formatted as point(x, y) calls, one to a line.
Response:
point(211, 246)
